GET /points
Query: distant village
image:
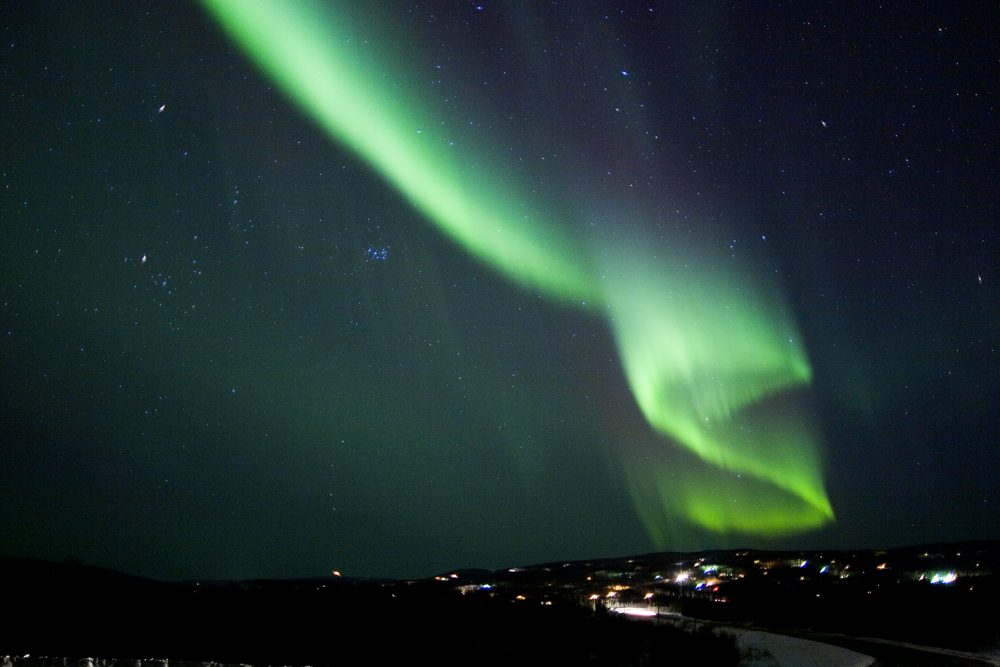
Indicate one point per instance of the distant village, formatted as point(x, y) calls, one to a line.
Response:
point(934, 594)
point(661, 582)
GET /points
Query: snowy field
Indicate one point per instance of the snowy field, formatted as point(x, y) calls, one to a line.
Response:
point(763, 649)
point(766, 649)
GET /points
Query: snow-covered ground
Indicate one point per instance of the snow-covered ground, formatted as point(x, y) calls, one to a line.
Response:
point(768, 649)
point(764, 649)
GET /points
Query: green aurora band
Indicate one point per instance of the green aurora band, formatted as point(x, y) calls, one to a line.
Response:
point(713, 363)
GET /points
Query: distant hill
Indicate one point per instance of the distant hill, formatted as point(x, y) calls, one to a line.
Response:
point(15, 571)
point(18, 571)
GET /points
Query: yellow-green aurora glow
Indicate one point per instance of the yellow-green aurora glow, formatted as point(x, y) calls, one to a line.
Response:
point(712, 359)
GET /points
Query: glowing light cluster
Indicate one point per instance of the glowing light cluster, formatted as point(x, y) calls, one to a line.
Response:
point(710, 354)
point(635, 611)
point(943, 578)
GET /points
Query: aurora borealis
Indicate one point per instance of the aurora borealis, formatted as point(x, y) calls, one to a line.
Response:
point(695, 360)
point(295, 285)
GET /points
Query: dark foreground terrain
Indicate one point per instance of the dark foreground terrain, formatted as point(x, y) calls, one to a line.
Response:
point(941, 595)
point(75, 611)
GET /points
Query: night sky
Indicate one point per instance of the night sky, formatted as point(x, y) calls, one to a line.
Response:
point(399, 288)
